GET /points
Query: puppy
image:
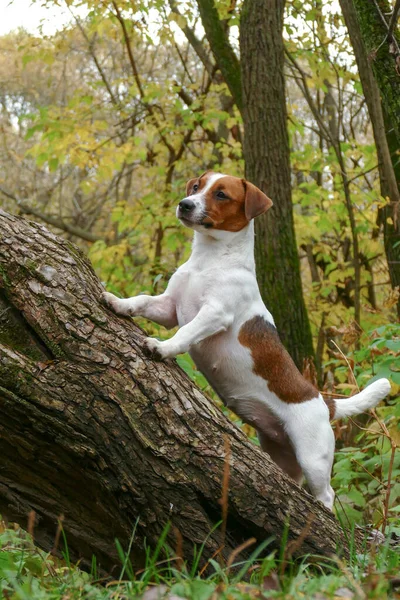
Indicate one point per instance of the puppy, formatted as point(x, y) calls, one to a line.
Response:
point(231, 335)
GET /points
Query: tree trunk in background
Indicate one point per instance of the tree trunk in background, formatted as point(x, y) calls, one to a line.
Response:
point(267, 158)
point(381, 86)
point(371, 15)
point(93, 430)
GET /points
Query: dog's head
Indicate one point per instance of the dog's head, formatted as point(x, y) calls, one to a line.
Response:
point(220, 202)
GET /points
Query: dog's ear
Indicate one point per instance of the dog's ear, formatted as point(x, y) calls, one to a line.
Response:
point(255, 202)
point(190, 184)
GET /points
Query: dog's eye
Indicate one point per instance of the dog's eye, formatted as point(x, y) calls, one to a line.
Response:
point(221, 195)
point(195, 187)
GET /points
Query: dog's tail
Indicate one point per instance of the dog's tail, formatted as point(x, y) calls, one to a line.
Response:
point(368, 398)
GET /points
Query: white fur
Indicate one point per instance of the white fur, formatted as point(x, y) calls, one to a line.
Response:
point(210, 297)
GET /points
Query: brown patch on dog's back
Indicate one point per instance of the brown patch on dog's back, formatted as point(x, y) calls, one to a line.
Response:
point(273, 363)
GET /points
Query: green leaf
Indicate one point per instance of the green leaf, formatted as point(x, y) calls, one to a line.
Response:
point(53, 164)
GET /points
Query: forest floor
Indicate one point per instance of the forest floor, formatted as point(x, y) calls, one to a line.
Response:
point(28, 573)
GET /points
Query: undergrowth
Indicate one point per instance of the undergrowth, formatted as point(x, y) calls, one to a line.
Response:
point(28, 573)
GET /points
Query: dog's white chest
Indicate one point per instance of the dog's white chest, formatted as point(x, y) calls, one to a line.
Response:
point(188, 289)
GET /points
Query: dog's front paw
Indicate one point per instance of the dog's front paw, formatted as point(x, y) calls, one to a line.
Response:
point(117, 305)
point(157, 350)
point(152, 348)
point(109, 299)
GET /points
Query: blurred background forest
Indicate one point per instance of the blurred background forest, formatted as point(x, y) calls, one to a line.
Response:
point(103, 121)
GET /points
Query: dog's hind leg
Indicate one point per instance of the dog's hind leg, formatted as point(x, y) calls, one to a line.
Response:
point(273, 438)
point(277, 444)
point(314, 445)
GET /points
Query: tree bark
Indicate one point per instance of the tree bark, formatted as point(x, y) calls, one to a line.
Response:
point(267, 158)
point(383, 52)
point(93, 430)
point(365, 30)
point(221, 48)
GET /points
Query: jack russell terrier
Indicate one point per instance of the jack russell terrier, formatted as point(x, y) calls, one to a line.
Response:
point(231, 335)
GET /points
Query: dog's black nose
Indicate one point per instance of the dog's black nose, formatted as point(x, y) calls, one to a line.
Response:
point(186, 205)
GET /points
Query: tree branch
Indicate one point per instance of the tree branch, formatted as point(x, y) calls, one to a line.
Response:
point(54, 221)
point(226, 59)
point(135, 72)
point(92, 429)
point(90, 44)
point(393, 19)
point(194, 41)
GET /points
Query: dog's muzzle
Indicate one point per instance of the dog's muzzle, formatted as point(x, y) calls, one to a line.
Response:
point(186, 207)
point(186, 210)
point(191, 214)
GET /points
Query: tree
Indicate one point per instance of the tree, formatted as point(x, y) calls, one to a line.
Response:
point(267, 158)
point(258, 88)
point(93, 430)
point(92, 157)
point(104, 162)
point(377, 54)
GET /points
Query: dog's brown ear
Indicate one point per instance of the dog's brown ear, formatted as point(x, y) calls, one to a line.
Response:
point(255, 202)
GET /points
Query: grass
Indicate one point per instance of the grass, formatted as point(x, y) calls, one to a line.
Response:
point(28, 573)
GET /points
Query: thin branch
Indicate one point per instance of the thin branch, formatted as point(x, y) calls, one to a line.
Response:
point(54, 221)
point(193, 40)
point(393, 19)
point(93, 55)
point(303, 85)
point(389, 36)
point(183, 61)
point(224, 54)
point(135, 71)
point(348, 364)
point(362, 174)
point(129, 48)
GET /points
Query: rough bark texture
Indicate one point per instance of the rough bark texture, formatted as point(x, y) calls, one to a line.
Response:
point(266, 151)
point(365, 29)
point(93, 430)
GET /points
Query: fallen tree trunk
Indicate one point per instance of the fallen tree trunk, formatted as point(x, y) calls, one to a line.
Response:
point(92, 429)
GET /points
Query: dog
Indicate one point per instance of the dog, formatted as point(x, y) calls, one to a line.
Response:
point(231, 335)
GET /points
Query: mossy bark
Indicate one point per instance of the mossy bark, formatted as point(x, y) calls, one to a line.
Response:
point(267, 156)
point(380, 78)
point(92, 430)
point(374, 32)
point(224, 54)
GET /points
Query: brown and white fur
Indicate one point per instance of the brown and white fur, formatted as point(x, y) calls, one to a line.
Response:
point(224, 324)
